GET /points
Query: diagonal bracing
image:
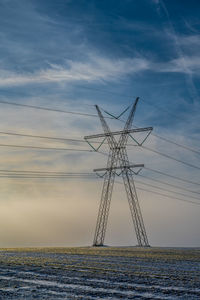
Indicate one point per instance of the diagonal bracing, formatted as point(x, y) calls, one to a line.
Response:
point(118, 159)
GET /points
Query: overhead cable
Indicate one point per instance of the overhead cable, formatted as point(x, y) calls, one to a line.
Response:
point(171, 197)
point(170, 157)
point(49, 109)
point(172, 176)
point(164, 195)
point(45, 148)
point(89, 115)
point(168, 184)
point(166, 190)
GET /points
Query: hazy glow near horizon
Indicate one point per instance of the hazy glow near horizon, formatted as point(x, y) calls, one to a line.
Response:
point(70, 56)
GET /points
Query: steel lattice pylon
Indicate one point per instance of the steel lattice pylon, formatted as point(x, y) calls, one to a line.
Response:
point(118, 160)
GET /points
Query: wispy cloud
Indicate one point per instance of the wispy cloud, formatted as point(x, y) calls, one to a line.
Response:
point(184, 63)
point(95, 69)
point(99, 69)
point(190, 40)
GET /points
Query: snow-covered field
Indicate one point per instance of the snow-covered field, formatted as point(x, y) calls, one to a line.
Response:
point(99, 273)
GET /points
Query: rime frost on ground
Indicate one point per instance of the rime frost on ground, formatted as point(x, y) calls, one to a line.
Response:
point(94, 273)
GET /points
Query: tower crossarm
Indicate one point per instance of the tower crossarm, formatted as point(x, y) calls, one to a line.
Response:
point(135, 130)
point(121, 167)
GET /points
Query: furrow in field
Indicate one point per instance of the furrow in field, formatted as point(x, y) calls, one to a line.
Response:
point(104, 287)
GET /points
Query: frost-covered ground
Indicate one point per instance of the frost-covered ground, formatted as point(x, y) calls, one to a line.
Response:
point(99, 273)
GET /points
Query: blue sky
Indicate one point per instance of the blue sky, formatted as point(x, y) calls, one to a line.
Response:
point(73, 54)
point(148, 49)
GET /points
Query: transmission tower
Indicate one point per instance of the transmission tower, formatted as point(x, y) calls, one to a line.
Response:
point(118, 162)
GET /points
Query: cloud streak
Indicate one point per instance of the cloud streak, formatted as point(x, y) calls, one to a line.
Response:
point(98, 69)
point(181, 60)
point(95, 69)
point(183, 64)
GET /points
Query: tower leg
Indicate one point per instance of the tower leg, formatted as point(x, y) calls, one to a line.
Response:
point(135, 209)
point(104, 208)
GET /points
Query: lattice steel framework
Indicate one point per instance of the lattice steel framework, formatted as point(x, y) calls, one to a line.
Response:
point(118, 160)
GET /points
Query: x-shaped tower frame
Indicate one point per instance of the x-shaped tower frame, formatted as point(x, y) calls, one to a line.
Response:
point(118, 159)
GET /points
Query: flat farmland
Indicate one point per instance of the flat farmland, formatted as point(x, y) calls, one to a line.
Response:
point(100, 273)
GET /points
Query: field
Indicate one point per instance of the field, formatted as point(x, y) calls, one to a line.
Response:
point(99, 273)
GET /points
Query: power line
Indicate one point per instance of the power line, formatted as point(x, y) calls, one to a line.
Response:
point(158, 193)
point(29, 176)
point(87, 115)
point(168, 184)
point(170, 157)
point(45, 148)
point(172, 176)
point(168, 140)
point(170, 197)
point(52, 137)
point(41, 136)
point(162, 138)
point(175, 143)
point(167, 156)
point(45, 177)
point(163, 173)
point(82, 141)
point(166, 190)
point(47, 108)
point(90, 115)
point(45, 172)
point(62, 173)
point(164, 195)
point(98, 90)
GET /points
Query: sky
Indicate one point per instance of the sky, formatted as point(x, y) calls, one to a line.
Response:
point(70, 55)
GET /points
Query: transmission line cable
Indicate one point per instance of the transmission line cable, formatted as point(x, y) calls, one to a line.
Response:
point(78, 113)
point(84, 174)
point(165, 139)
point(168, 184)
point(45, 148)
point(164, 195)
point(51, 137)
point(162, 173)
point(172, 176)
point(171, 197)
point(175, 143)
point(90, 115)
point(46, 172)
point(166, 190)
point(83, 141)
point(45, 177)
point(42, 137)
point(49, 109)
point(88, 177)
point(170, 157)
